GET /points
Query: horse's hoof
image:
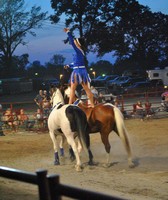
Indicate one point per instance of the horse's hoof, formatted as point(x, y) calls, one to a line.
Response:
point(72, 158)
point(106, 165)
point(78, 168)
point(61, 152)
point(92, 163)
point(131, 165)
point(56, 162)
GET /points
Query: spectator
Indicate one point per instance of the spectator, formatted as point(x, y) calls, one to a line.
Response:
point(101, 98)
point(140, 110)
point(118, 104)
point(40, 119)
point(22, 117)
point(39, 99)
point(46, 105)
point(24, 120)
point(164, 102)
point(148, 109)
point(94, 91)
point(95, 94)
point(15, 123)
point(10, 118)
point(46, 96)
point(1, 123)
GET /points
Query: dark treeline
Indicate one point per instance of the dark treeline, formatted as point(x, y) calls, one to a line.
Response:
point(137, 37)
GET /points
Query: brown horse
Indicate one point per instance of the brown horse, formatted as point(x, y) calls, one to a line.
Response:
point(105, 118)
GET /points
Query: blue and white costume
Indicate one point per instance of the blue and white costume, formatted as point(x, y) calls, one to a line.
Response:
point(78, 66)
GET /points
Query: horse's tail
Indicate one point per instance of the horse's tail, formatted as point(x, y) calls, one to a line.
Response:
point(122, 132)
point(79, 124)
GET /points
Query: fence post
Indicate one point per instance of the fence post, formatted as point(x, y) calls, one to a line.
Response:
point(54, 187)
point(146, 96)
point(43, 186)
point(122, 103)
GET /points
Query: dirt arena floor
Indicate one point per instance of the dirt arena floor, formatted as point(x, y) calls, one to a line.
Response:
point(31, 151)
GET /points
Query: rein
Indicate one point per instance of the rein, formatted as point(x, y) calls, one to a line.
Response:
point(57, 106)
point(76, 103)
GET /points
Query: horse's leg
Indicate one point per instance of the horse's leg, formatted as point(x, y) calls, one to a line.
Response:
point(61, 145)
point(90, 157)
point(55, 145)
point(89, 153)
point(104, 137)
point(79, 146)
point(71, 153)
point(71, 142)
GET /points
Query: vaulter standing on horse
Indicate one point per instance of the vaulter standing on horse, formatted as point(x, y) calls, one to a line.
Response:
point(79, 74)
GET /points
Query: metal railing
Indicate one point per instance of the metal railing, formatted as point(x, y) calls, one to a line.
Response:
point(125, 101)
point(39, 178)
point(49, 186)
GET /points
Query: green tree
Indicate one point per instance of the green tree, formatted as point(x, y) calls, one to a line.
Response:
point(57, 59)
point(15, 24)
point(123, 27)
point(55, 66)
point(20, 62)
point(101, 67)
point(135, 34)
point(36, 70)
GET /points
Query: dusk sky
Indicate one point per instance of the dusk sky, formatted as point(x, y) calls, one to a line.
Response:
point(49, 39)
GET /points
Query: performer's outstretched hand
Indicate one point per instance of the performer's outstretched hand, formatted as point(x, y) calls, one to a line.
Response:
point(66, 30)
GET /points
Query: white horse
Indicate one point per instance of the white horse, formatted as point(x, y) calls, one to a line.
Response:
point(70, 119)
point(57, 100)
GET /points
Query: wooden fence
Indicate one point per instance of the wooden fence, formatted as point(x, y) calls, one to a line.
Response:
point(49, 186)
